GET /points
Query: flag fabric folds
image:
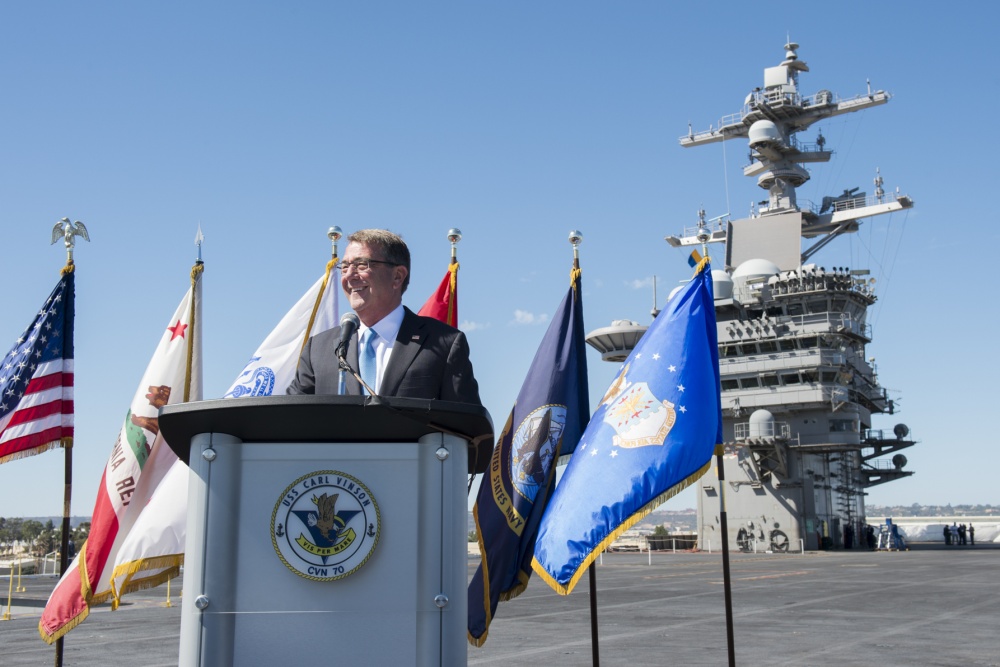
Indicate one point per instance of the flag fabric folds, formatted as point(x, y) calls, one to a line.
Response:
point(155, 545)
point(36, 380)
point(138, 463)
point(272, 367)
point(653, 434)
point(545, 423)
point(443, 304)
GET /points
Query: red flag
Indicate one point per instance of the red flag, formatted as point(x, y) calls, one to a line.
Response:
point(443, 304)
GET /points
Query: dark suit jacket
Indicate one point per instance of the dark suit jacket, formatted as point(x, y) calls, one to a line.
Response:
point(429, 360)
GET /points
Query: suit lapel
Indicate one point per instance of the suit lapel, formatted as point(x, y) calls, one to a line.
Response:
point(404, 351)
point(351, 386)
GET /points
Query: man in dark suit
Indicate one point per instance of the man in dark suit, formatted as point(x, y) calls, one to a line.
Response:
point(409, 356)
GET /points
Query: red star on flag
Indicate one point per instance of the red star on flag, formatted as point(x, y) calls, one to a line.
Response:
point(177, 330)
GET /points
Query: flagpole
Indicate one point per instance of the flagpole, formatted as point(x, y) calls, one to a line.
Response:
point(575, 239)
point(727, 584)
point(69, 230)
point(703, 236)
point(454, 236)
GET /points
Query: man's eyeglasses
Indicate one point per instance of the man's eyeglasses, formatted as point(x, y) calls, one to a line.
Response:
point(363, 265)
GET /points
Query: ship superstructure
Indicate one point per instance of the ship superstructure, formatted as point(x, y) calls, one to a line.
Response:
point(798, 389)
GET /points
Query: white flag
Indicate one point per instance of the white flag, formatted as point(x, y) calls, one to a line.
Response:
point(155, 546)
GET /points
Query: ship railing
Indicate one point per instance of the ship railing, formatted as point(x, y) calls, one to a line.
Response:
point(713, 226)
point(778, 98)
point(851, 203)
point(876, 435)
point(879, 464)
point(783, 360)
point(746, 430)
point(839, 321)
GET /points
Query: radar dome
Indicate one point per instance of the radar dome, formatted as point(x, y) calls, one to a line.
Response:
point(755, 268)
point(722, 284)
point(764, 133)
point(761, 424)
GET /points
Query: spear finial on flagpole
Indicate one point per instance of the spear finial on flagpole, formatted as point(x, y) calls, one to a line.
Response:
point(67, 231)
point(454, 235)
point(334, 234)
point(576, 238)
point(199, 238)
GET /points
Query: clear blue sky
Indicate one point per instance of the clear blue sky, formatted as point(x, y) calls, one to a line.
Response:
point(516, 122)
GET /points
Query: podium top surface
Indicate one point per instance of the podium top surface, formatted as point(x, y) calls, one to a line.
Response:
point(329, 419)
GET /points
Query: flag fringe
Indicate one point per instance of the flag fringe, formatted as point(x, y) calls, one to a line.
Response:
point(64, 628)
point(169, 564)
point(522, 583)
point(39, 449)
point(613, 535)
point(702, 263)
point(479, 641)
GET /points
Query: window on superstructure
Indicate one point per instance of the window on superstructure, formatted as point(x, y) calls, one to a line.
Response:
point(729, 385)
point(749, 383)
point(786, 344)
point(748, 348)
point(828, 376)
point(767, 346)
point(730, 351)
point(818, 306)
point(842, 426)
point(795, 309)
point(789, 378)
point(808, 342)
point(769, 380)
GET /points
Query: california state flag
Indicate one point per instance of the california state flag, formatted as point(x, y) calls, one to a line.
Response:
point(153, 550)
point(139, 462)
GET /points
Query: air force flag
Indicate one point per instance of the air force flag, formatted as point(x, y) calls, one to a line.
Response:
point(653, 434)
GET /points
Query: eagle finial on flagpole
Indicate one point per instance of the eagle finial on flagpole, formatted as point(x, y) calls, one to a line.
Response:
point(67, 230)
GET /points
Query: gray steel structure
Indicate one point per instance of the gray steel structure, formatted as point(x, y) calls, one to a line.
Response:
point(798, 390)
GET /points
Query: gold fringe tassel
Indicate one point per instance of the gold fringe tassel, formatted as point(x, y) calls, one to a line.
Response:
point(625, 525)
point(169, 564)
point(319, 298)
point(452, 292)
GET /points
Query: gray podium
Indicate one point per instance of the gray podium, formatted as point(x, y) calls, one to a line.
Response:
point(326, 529)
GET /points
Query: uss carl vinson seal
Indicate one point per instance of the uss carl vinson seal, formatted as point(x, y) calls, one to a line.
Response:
point(325, 525)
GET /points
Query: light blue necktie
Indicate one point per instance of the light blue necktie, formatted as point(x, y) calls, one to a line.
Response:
point(367, 365)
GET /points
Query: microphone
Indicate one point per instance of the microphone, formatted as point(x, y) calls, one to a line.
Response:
point(349, 324)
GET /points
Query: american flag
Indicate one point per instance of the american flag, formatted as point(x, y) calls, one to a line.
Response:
point(36, 380)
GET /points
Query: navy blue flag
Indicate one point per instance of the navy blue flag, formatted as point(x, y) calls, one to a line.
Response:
point(653, 434)
point(548, 417)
